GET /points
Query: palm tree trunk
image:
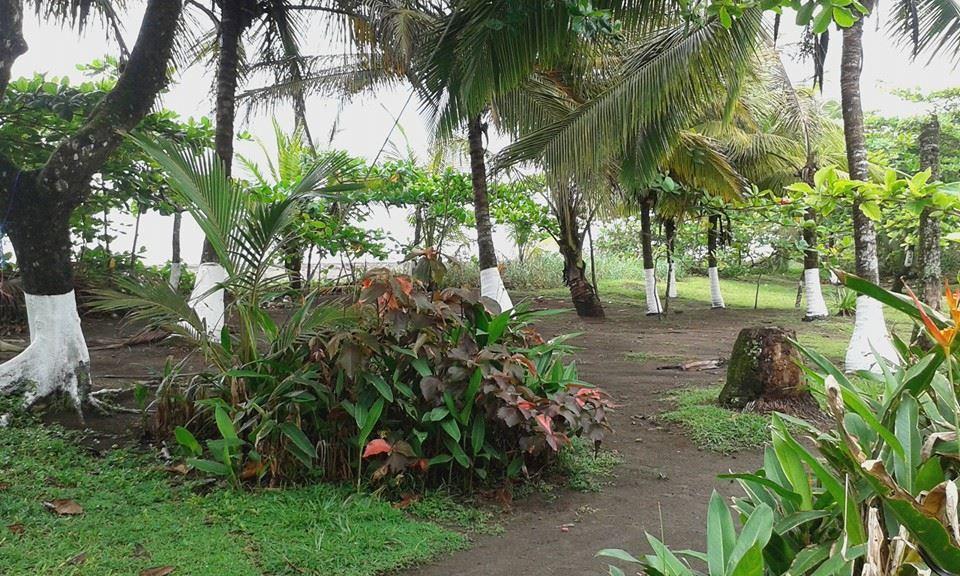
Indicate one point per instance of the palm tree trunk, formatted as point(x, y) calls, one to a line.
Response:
point(649, 267)
point(670, 233)
point(928, 261)
point(816, 305)
point(570, 240)
point(206, 299)
point(713, 230)
point(870, 329)
point(491, 284)
point(175, 260)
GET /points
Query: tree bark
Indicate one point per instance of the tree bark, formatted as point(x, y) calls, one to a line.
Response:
point(765, 368)
point(646, 247)
point(481, 202)
point(865, 235)
point(234, 18)
point(175, 260)
point(869, 337)
point(570, 240)
point(670, 237)
point(39, 204)
point(928, 257)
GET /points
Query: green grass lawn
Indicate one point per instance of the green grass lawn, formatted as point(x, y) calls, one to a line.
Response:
point(135, 518)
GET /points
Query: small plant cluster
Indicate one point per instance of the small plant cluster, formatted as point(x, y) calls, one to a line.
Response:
point(877, 495)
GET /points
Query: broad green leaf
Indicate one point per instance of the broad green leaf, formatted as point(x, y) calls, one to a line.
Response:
point(721, 535)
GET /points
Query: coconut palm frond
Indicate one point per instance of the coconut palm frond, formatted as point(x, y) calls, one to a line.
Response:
point(649, 98)
point(930, 27)
point(697, 162)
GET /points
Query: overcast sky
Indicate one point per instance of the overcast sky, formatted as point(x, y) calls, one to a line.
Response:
point(363, 126)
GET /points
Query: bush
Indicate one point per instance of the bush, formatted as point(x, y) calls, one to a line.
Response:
point(417, 387)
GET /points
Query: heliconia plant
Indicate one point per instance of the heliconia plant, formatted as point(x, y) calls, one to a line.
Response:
point(871, 493)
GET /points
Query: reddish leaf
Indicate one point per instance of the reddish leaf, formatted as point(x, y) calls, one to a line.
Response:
point(545, 423)
point(65, 507)
point(158, 571)
point(78, 559)
point(376, 447)
point(16, 528)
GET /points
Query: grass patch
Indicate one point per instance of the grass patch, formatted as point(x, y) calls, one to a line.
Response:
point(712, 427)
point(639, 357)
point(134, 519)
point(442, 508)
point(585, 469)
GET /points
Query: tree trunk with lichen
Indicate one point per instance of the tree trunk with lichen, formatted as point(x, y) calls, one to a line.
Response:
point(764, 369)
point(928, 249)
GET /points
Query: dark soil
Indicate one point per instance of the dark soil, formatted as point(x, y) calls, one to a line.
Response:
point(662, 487)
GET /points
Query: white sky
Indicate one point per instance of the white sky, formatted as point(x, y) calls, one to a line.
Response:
point(363, 125)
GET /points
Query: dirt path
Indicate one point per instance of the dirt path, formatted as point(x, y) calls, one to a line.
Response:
point(664, 480)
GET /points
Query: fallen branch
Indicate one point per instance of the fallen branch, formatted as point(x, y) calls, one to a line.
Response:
point(696, 365)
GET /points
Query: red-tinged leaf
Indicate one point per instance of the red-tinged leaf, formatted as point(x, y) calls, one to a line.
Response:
point(376, 447)
point(17, 528)
point(158, 571)
point(65, 507)
point(545, 423)
point(78, 559)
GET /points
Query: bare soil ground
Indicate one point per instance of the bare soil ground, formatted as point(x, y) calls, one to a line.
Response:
point(662, 486)
point(665, 481)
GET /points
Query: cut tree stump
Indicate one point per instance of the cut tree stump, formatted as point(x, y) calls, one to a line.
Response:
point(764, 373)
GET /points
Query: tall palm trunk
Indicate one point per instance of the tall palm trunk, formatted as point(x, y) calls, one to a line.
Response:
point(870, 330)
point(670, 239)
point(713, 235)
point(646, 247)
point(928, 261)
point(491, 284)
point(207, 299)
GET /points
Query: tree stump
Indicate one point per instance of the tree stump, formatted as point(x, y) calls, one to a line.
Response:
point(765, 369)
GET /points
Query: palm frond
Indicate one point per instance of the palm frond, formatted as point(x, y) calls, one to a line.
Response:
point(649, 105)
point(930, 27)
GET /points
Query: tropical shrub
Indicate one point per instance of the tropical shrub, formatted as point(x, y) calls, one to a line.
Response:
point(406, 384)
point(876, 496)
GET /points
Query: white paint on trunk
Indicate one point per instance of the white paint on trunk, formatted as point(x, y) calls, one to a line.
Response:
point(491, 286)
point(834, 279)
point(653, 300)
point(816, 305)
point(175, 271)
point(207, 297)
point(57, 359)
point(869, 335)
point(716, 297)
point(672, 289)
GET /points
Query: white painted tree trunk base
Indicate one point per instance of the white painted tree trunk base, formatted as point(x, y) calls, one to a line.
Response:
point(491, 286)
point(672, 289)
point(653, 299)
point(869, 338)
point(175, 272)
point(816, 305)
point(206, 299)
point(716, 297)
point(57, 359)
